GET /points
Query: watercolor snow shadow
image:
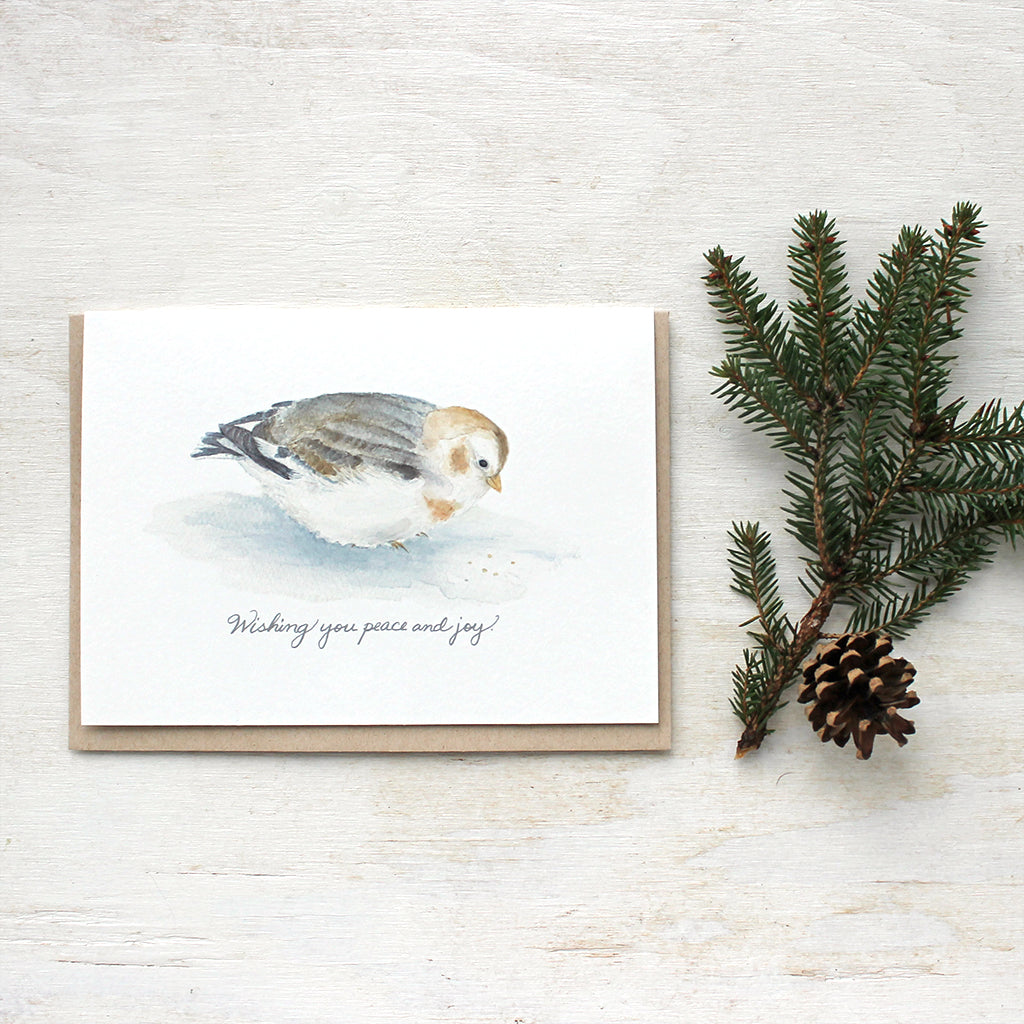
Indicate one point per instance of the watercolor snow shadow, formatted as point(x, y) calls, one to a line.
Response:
point(481, 556)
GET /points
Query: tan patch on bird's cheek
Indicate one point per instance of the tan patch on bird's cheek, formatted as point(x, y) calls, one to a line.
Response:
point(459, 459)
point(440, 510)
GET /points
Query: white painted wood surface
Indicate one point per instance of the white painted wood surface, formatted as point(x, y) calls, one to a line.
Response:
point(493, 153)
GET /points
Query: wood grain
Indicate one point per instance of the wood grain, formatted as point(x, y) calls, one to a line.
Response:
point(486, 153)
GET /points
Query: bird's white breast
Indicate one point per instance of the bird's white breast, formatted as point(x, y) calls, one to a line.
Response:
point(376, 508)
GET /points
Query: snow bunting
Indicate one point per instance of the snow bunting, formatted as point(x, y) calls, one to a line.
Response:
point(366, 469)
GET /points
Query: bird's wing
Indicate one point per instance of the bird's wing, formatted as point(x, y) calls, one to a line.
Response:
point(344, 436)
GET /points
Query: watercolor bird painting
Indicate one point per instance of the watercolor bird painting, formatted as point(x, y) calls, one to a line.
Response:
point(366, 469)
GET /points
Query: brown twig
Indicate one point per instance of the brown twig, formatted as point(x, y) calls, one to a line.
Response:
point(807, 633)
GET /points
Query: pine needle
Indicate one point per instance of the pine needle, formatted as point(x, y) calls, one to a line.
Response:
point(898, 497)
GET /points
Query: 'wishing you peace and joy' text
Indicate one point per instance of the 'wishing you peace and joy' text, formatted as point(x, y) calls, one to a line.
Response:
point(252, 622)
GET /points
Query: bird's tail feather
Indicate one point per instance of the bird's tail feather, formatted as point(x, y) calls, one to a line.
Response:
point(236, 440)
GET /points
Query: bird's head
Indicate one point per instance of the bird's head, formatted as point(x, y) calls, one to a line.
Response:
point(467, 443)
point(487, 455)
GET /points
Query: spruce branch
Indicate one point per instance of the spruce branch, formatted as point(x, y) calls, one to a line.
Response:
point(754, 576)
point(897, 496)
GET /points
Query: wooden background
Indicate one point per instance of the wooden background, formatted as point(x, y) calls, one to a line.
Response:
point(503, 153)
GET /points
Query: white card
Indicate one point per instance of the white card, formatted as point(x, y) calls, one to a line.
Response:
point(208, 597)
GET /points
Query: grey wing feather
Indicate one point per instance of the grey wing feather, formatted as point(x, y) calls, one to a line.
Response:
point(344, 435)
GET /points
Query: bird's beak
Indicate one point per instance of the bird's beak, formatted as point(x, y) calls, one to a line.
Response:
point(495, 482)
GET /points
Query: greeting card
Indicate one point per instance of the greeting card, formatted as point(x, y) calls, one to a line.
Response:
point(371, 528)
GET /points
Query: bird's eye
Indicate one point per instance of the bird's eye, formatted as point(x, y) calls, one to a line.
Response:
point(482, 463)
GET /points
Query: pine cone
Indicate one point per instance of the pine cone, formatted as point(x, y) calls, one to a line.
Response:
point(854, 688)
